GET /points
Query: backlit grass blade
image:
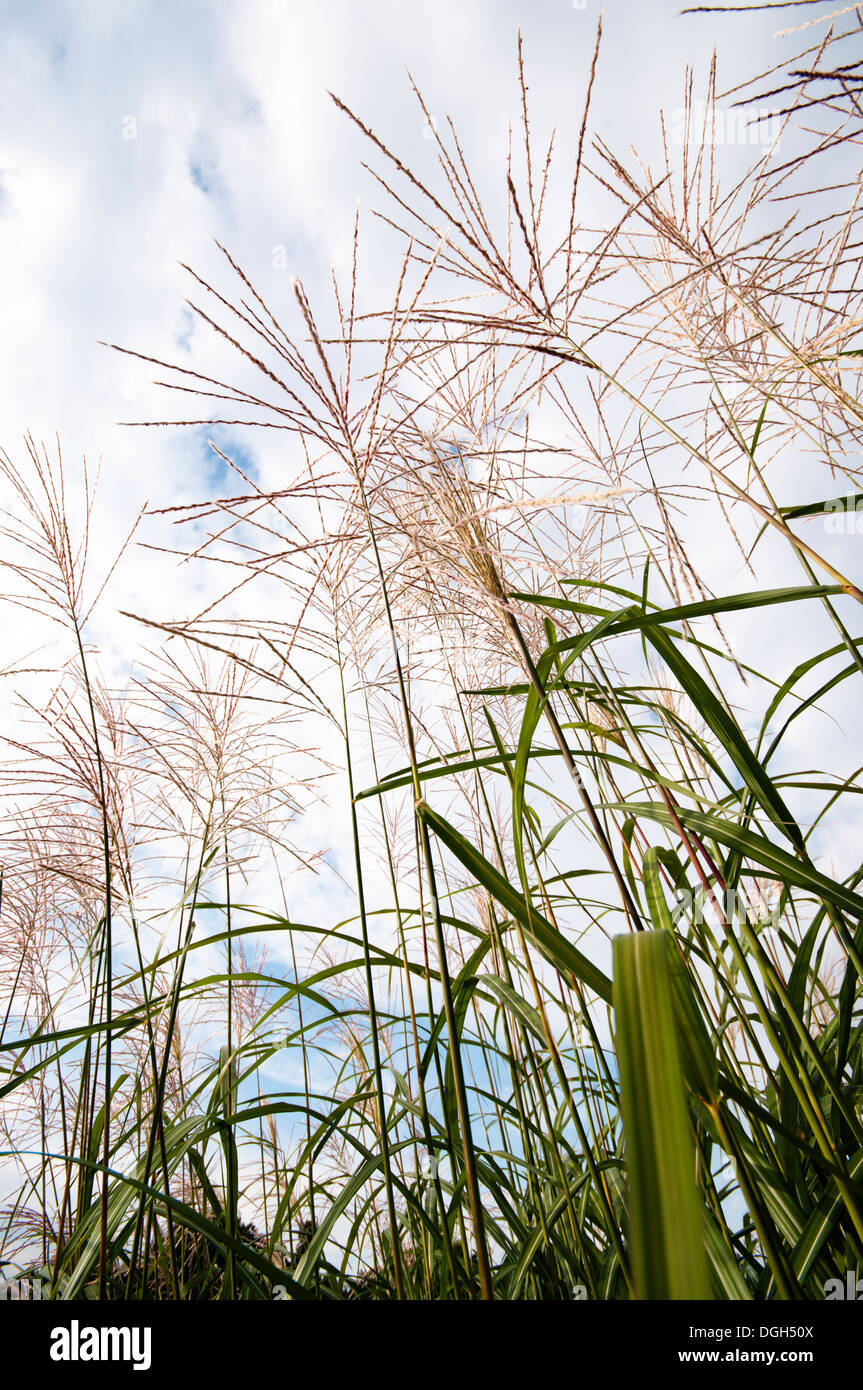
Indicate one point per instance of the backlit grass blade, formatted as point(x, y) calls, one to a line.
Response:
point(727, 731)
point(698, 1055)
point(776, 862)
point(553, 944)
point(665, 1212)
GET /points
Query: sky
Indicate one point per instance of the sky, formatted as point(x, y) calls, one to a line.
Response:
point(132, 135)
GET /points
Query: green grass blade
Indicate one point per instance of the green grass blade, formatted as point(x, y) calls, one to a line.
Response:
point(553, 945)
point(666, 1221)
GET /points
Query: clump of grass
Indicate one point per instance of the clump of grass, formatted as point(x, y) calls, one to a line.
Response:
point(491, 626)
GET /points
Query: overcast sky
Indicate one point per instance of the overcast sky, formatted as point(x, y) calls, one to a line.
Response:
point(133, 133)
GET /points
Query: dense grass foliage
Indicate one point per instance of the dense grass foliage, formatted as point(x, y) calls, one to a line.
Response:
point(471, 613)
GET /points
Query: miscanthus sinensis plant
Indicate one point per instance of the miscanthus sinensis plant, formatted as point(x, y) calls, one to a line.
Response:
point(590, 1024)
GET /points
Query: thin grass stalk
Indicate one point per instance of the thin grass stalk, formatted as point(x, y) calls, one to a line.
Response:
point(370, 990)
